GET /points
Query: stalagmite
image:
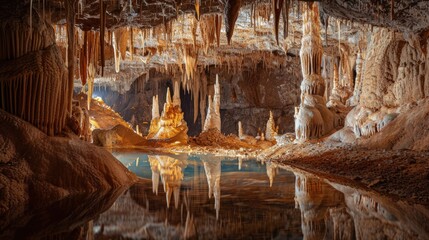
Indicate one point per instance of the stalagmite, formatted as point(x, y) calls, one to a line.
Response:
point(176, 95)
point(213, 112)
point(270, 131)
point(231, 12)
point(277, 8)
point(312, 118)
point(240, 130)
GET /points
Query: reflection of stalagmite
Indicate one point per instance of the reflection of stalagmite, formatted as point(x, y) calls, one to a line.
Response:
point(271, 172)
point(270, 131)
point(312, 119)
point(213, 112)
point(171, 172)
point(212, 168)
point(314, 198)
point(154, 167)
point(171, 126)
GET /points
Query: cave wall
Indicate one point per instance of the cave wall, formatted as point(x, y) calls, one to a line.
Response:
point(395, 71)
point(392, 109)
point(246, 96)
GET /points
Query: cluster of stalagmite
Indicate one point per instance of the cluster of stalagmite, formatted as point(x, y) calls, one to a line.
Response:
point(170, 127)
point(34, 82)
point(213, 113)
point(312, 118)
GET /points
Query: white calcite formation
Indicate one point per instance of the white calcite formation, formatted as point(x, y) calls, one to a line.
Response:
point(312, 118)
point(155, 107)
point(213, 112)
point(170, 127)
point(270, 131)
point(240, 131)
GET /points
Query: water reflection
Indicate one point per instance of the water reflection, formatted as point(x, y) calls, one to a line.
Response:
point(257, 202)
point(69, 218)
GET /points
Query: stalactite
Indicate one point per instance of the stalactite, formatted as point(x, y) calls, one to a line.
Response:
point(285, 14)
point(197, 9)
point(102, 33)
point(70, 9)
point(339, 35)
point(231, 12)
point(392, 9)
point(116, 53)
point(218, 26)
point(194, 28)
point(277, 8)
point(208, 31)
point(93, 52)
point(83, 59)
point(131, 44)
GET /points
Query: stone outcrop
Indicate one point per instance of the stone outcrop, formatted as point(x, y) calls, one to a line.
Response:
point(31, 163)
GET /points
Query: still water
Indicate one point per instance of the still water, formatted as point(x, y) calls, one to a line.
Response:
point(209, 197)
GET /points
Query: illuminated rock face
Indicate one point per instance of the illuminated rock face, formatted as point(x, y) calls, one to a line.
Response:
point(170, 127)
point(312, 119)
point(213, 112)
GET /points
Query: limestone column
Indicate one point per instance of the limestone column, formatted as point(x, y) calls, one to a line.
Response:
point(312, 119)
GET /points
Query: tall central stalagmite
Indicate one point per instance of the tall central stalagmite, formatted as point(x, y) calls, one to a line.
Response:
point(312, 119)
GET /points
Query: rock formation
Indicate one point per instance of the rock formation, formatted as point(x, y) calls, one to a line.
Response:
point(312, 118)
point(170, 127)
point(213, 113)
point(270, 131)
point(34, 83)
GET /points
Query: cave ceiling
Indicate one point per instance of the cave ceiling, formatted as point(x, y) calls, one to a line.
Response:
point(346, 21)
